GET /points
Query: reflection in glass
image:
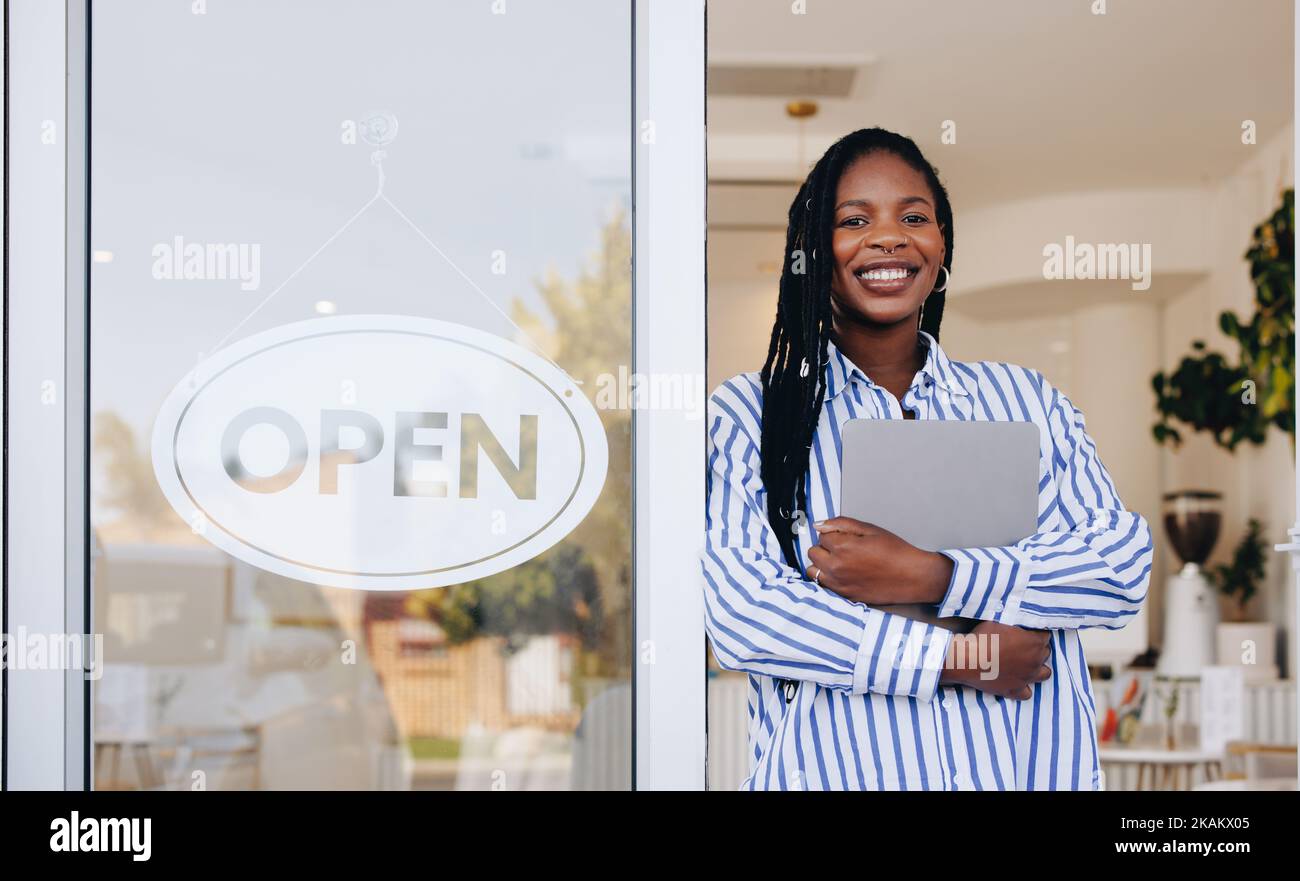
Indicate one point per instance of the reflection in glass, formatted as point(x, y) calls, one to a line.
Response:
point(502, 206)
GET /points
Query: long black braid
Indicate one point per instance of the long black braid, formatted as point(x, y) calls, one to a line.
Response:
point(793, 391)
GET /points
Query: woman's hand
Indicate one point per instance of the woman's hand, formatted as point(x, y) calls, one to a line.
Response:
point(870, 565)
point(999, 659)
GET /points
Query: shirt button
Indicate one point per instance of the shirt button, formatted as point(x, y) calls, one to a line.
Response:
point(959, 779)
point(997, 607)
point(947, 702)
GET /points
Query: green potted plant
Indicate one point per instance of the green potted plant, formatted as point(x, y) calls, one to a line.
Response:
point(1236, 401)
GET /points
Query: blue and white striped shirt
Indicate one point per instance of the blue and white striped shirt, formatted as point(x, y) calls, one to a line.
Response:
point(869, 712)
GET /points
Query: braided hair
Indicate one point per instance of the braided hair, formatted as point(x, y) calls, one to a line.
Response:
point(793, 390)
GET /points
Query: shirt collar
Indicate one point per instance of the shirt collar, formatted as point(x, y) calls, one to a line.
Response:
point(938, 368)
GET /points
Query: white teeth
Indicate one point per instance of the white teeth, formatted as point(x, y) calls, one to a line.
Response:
point(884, 274)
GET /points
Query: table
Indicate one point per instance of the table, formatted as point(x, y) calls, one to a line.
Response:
point(1268, 784)
point(1169, 764)
point(108, 754)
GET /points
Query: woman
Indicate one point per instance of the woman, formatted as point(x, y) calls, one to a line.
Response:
point(844, 695)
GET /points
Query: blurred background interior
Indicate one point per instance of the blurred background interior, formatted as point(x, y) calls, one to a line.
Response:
point(1168, 123)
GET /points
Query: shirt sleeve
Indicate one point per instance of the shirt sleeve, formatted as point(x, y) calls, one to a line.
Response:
point(764, 617)
point(1092, 572)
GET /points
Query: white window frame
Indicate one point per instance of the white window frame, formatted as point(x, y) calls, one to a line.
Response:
point(668, 222)
point(46, 711)
point(47, 728)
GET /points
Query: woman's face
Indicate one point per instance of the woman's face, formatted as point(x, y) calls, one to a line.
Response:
point(883, 205)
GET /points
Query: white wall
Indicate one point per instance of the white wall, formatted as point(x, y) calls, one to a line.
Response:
point(740, 324)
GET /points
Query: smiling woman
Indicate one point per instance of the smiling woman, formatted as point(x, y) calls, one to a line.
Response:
point(873, 194)
point(882, 190)
point(844, 694)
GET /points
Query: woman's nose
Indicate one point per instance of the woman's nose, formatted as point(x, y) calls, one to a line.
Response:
point(886, 239)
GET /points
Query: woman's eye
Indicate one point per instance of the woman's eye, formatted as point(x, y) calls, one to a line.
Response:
point(853, 221)
point(916, 218)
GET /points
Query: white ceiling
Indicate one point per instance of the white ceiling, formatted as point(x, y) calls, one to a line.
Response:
point(1047, 97)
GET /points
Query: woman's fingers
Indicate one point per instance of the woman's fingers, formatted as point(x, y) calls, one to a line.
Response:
point(843, 524)
point(817, 570)
point(1044, 673)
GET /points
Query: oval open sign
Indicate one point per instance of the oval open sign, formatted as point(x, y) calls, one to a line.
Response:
point(379, 452)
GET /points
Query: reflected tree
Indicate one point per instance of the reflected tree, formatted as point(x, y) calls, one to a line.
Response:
point(584, 584)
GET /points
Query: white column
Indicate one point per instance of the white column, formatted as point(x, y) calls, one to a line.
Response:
point(44, 151)
point(1112, 344)
point(669, 341)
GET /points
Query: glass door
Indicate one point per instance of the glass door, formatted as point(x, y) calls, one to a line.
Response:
point(355, 521)
point(338, 314)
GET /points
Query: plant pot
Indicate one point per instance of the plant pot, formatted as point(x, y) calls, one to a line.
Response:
point(1238, 642)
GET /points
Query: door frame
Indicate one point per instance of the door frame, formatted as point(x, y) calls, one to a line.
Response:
point(47, 743)
point(669, 185)
point(46, 711)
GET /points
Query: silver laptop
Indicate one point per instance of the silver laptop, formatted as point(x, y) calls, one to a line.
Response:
point(942, 484)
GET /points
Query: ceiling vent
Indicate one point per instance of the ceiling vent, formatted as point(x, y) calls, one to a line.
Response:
point(753, 78)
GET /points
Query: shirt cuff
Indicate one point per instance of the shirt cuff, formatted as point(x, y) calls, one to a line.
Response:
point(986, 583)
point(900, 656)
